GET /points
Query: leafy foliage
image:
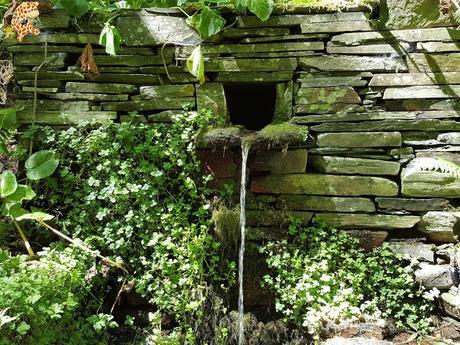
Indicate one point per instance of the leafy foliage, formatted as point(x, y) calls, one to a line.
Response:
point(41, 300)
point(110, 38)
point(321, 276)
point(137, 192)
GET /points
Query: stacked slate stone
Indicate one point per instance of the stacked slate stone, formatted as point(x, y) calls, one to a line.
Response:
point(382, 107)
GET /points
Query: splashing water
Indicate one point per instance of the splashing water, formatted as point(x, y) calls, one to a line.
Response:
point(244, 158)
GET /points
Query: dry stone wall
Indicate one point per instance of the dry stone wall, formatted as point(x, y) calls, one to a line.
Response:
point(381, 106)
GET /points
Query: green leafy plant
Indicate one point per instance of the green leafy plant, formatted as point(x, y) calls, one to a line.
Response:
point(137, 193)
point(45, 300)
point(321, 277)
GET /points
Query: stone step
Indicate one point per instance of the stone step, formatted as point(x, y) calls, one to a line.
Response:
point(353, 166)
point(367, 221)
point(353, 63)
point(389, 125)
point(324, 185)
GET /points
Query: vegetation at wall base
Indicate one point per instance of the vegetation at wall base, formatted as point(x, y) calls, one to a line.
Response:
point(321, 277)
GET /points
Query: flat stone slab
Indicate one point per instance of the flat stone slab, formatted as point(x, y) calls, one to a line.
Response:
point(145, 29)
point(356, 341)
point(65, 117)
point(369, 239)
point(275, 218)
point(417, 250)
point(54, 105)
point(325, 203)
point(427, 182)
point(293, 20)
point(50, 75)
point(131, 78)
point(326, 108)
point(330, 95)
point(367, 221)
point(250, 65)
point(63, 96)
point(57, 38)
point(368, 49)
point(313, 81)
point(100, 88)
point(374, 116)
point(55, 60)
point(185, 52)
point(256, 32)
point(153, 104)
point(352, 63)
point(441, 226)
point(412, 36)
point(437, 47)
point(419, 62)
point(336, 27)
point(161, 91)
point(253, 77)
point(415, 79)
point(133, 60)
point(290, 162)
point(324, 185)
point(450, 138)
point(360, 139)
point(351, 166)
point(413, 205)
point(423, 92)
point(430, 125)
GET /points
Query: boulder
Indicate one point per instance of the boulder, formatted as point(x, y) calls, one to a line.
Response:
point(431, 276)
point(369, 239)
point(450, 302)
point(417, 250)
point(441, 226)
point(408, 14)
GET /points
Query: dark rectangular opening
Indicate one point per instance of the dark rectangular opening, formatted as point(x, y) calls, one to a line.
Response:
point(251, 105)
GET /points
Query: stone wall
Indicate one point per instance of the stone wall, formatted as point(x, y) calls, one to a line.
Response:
point(381, 106)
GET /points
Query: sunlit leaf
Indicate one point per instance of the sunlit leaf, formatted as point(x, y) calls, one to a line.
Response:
point(261, 8)
point(195, 64)
point(38, 216)
point(23, 192)
point(110, 38)
point(207, 22)
point(41, 164)
point(8, 184)
point(8, 118)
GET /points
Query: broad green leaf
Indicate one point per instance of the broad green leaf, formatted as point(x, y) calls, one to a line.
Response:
point(38, 216)
point(8, 184)
point(3, 148)
point(261, 8)
point(8, 118)
point(16, 211)
point(23, 192)
point(75, 8)
point(207, 22)
point(195, 64)
point(110, 38)
point(41, 164)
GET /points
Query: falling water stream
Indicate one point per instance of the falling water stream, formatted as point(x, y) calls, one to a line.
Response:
point(245, 145)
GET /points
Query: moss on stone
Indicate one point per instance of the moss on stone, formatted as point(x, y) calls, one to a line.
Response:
point(283, 134)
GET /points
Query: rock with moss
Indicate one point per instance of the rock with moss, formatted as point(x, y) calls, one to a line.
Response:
point(367, 221)
point(282, 134)
point(324, 185)
point(360, 139)
point(290, 162)
point(350, 166)
point(441, 226)
point(325, 203)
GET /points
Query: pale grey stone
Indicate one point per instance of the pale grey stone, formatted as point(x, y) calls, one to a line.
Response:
point(441, 226)
point(435, 276)
point(290, 162)
point(413, 205)
point(450, 138)
point(350, 166)
point(353, 63)
point(367, 221)
point(360, 139)
point(416, 250)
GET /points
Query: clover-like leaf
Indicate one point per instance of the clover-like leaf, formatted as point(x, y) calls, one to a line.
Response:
point(23, 192)
point(41, 164)
point(8, 184)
